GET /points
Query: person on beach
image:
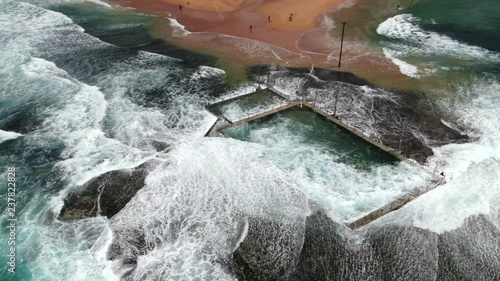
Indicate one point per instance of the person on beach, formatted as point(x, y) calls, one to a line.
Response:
point(250, 29)
point(269, 19)
point(180, 8)
point(290, 18)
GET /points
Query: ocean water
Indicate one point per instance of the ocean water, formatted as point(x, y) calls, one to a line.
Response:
point(443, 38)
point(74, 107)
point(457, 41)
point(84, 91)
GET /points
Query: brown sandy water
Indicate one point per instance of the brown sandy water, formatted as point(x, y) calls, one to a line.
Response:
point(225, 34)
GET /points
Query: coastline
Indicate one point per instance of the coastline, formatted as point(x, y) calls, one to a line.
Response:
point(111, 106)
point(311, 39)
point(222, 29)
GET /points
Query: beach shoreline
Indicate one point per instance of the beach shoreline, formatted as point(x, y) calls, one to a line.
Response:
point(240, 34)
point(280, 22)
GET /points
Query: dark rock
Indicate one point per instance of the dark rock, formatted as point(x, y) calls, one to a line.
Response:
point(105, 195)
point(322, 249)
point(312, 260)
point(270, 250)
point(404, 120)
point(321, 246)
point(327, 255)
point(470, 252)
point(79, 207)
point(404, 252)
point(411, 147)
point(160, 146)
point(383, 253)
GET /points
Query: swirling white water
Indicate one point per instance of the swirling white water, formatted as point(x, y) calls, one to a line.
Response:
point(197, 200)
point(473, 184)
point(408, 40)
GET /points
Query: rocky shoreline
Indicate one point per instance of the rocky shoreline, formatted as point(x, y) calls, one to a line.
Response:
point(324, 250)
point(105, 195)
point(388, 115)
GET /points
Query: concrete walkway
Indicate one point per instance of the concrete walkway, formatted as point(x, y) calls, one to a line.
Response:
point(266, 113)
point(394, 205)
point(230, 97)
point(278, 93)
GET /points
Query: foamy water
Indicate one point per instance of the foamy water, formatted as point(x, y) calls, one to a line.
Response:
point(100, 127)
point(473, 181)
point(203, 199)
point(408, 39)
point(195, 207)
point(5, 135)
point(472, 169)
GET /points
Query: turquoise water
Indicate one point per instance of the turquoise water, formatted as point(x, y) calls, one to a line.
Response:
point(447, 39)
point(80, 107)
point(305, 128)
point(457, 42)
point(473, 22)
point(84, 91)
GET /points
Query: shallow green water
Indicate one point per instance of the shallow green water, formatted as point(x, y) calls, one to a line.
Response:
point(85, 107)
point(302, 127)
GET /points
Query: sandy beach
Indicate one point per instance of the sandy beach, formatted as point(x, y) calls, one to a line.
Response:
point(287, 32)
point(278, 22)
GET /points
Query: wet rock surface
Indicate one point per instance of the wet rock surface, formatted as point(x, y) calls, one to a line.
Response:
point(389, 252)
point(405, 121)
point(471, 251)
point(261, 255)
point(327, 250)
point(106, 194)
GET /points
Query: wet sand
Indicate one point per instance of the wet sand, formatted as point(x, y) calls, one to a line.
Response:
point(222, 28)
point(243, 19)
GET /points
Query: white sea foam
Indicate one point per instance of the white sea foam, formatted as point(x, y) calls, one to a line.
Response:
point(25, 14)
point(76, 117)
point(290, 87)
point(240, 108)
point(211, 187)
point(196, 202)
point(99, 2)
point(405, 68)
point(417, 41)
point(241, 90)
point(6, 135)
point(48, 3)
point(207, 72)
point(408, 39)
point(101, 127)
point(72, 251)
point(345, 191)
point(472, 169)
point(178, 29)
